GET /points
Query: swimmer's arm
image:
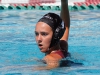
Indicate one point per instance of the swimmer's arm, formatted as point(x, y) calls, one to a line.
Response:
point(65, 17)
point(52, 61)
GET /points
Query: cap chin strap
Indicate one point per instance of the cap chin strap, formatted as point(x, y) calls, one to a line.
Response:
point(48, 51)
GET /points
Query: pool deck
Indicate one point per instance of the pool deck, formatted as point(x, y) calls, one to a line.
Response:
point(57, 3)
point(70, 2)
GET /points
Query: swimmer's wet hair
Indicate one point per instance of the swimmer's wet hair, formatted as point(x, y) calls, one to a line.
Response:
point(55, 22)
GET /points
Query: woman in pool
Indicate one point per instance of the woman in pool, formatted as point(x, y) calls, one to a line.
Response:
point(52, 33)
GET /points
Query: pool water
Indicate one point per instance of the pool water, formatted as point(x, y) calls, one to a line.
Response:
point(19, 54)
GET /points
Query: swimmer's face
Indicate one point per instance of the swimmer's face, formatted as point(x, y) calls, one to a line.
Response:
point(43, 35)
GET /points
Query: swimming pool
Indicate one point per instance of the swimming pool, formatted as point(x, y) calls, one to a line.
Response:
point(19, 52)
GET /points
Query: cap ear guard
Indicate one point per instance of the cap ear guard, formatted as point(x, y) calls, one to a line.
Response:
point(57, 33)
point(55, 37)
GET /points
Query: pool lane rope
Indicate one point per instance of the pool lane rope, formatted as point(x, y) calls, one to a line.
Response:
point(71, 8)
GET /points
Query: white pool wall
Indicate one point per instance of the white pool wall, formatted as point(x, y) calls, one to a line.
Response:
point(57, 3)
